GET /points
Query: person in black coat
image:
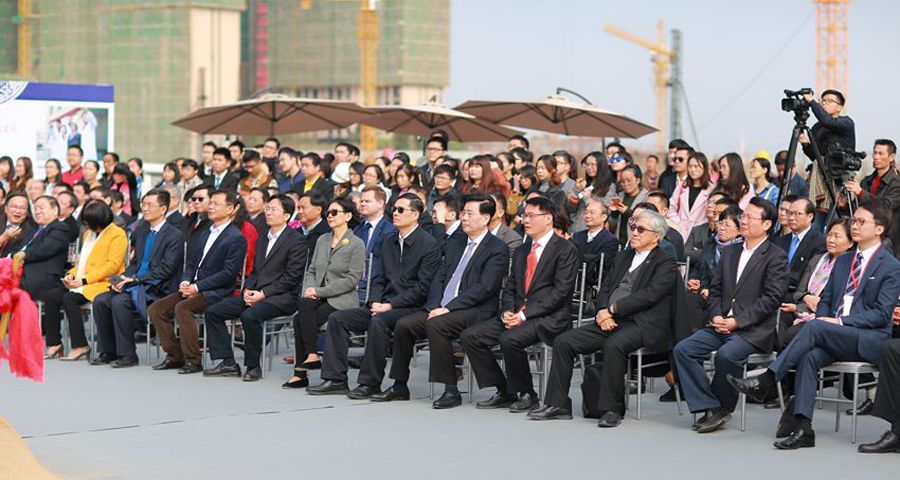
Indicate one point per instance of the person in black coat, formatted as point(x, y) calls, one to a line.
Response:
point(315, 183)
point(803, 243)
point(535, 308)
point(152, 273)
point(408, 264)
point(634, 310)
point(19, 228)
point(747, 289)
point(312, 219)
point(270, 291)
point(222, 178)
point(47, 251)
point(197, 221)
point(68, 203)
point(596, 241)
point(887, 403)
point(463, 293)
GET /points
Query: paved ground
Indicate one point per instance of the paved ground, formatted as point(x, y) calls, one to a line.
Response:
point(99, 423)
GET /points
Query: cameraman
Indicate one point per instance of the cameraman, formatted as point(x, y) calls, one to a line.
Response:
point(832, 132)
point(883, 183)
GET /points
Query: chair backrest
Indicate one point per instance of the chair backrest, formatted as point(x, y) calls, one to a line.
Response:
point(243, 273)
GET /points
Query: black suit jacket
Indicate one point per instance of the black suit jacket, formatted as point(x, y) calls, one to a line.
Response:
point(280, 274)
point(322, 187)
point(259, 223)
point(45, 259)
point(193, 231)
point(550, 296)
point(177, 220)
point(756, 297)
point(74, 228)
point(650, 304)
point(677, 241)
point(217, 272)
point(480, 282)
point(229, 182)
point(312, 237)
point(166, 259)
point(603, 243)
point(813, 244)
point(404, 281)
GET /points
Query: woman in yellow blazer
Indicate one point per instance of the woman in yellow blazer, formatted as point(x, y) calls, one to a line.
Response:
point(102, 255)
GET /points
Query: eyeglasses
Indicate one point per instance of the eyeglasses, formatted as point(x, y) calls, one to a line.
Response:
point(792, 213)
point(744, 216)
point(400, 210)
point(532, 216)
point(826, 101)
point(860, 222)
point(724, 223)
point(273, 210)
point(198, 199)
point(334, 212)
point(616, 159)
point(149, 205)
point(434, 149)
point(639, 229)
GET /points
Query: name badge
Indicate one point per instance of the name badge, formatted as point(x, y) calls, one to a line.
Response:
point(848, 301)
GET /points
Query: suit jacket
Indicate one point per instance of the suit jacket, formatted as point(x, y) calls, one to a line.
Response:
point(756, 297)
point(335, 273)
point(677, 241)
point(259, 223)
point(74, 228)
point(216, 273)
point(229, 182)
point(873, 302)
point(480, 282)
point(45, 259)
point(889, 191)
point(166, 259)
point(404, 280)
point(177, 220)
point(312, 237)
point(16, 244)
point(383, 230)
point(322, 187)
point(813, 243)
point(106, 259)
point(650, 304)
point(696, 241)
point(509, 237)
point(550, 295)
point(279, 274)
point(193, 231)
point(604, 243)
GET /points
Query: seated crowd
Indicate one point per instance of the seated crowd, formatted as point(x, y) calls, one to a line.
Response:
point(693, 265)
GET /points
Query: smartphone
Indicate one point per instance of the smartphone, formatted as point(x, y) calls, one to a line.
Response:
point(115, 279)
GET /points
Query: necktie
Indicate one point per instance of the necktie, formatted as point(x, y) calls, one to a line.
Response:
point(366, 230)
point(531, 265)
point(148, 249)
point(795, 242)
point(453, 284)
point(401, 247)
point(218, 181)
point(853, 281)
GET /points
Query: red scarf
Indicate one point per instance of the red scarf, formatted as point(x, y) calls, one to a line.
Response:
point(26, 347)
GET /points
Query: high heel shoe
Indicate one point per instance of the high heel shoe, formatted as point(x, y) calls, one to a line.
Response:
point(302, 383)
point(80, 356)
point(314, 365)
point(51, 353)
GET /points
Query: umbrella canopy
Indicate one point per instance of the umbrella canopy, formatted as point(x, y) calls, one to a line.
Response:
point(273, 115)
point(556, 114)
point(423, 119)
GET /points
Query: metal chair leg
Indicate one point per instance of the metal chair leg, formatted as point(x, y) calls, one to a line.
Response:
point(744, 404)
point(677, 399)
point(640, 382)
point(837, 408)
point(853, 407)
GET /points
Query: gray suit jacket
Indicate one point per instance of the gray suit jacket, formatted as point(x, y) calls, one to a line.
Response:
point(509, 237)
point(335, 273)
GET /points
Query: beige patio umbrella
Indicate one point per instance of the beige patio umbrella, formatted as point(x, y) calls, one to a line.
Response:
point(273, 115)
point(557, 114)
point(423, 119)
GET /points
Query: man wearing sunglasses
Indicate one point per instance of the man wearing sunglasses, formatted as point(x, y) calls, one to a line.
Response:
point(197, 219)
point(676, 170)
point(408, 263)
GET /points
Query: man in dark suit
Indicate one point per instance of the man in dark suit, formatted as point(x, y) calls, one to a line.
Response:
point(803, 242)
point(700, 234)
point(437, 230)
point(314, 182)
point(634, 310)
point(256, 203)
point(883, 183)
point(19, 228)
point(153, 273)
point(221, 177)
point(500, 229)
point(312, 219)
point(747, 289)
point(197, 221)
point(887, 404)
point(463, 293)
point(853, 320)
point(68, 203)
point(373, 230)
point(270, 291)
point(595, 241)
point(679, 153)
point(47, 251)
point(534, 308)
point(212, 269)
point(408, 264)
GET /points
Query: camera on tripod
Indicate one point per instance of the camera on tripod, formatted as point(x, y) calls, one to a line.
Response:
point(842, 162)
point(794, 101)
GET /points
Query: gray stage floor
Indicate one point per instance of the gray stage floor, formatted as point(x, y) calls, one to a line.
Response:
point(98, 423)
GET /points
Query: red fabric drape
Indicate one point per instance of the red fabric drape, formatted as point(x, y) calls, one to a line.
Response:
point(26, 347)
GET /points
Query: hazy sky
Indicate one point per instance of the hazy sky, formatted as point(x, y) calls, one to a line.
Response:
point(524, 49)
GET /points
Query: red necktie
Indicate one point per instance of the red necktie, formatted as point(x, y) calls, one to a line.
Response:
point(531, 265)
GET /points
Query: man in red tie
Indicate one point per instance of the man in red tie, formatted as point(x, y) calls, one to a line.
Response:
point(534, 308)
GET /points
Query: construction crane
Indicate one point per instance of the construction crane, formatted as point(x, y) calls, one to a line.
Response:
point(368, 35)
point(831, 44)
point(666, 75)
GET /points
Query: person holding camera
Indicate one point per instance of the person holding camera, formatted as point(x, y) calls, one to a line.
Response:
point(883, 183)
point(832, 134)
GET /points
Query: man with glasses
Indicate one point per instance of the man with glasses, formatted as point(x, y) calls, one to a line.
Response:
point(442, 184)
point(435, 148)
point(676, 171)
point(534, 308)
point(270, 291)
point(406, 268)
point(621, 206)
point(596, 240)
point(373, 230)
point(801, 245)
point(852, 323)
point(152, 273)
point(19, 228)
point(197, 220)
point(46, 251)
point(748, 286)
point(832, 133)
point(634, 310)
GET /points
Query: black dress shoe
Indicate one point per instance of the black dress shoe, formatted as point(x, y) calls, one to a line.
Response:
point(889, 443)
point(103, 359)
point(526, 403)
point(717, 419)
point(802, 437)
point(700, 420)
point(752, 387)
point(252, 374)
point(124, 362)
point(549, 412)
point(788, 422)
point(223, 370)
point(363, 392)
point(447, 400)
point(190, 368)
point(668, 396)
point(610, 420)
point(329, 387)
point(390, 395)
point(864, 408)
point(302, 383)
point(168, 365)
point(497, 400)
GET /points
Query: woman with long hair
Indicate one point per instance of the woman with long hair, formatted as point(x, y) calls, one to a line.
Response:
point(123, 180)
point(481, 176)
point(404, 177)
point(545, 169)
point(24, 172)
point(687, 206)
point(356, 176)
point(763, 181)
point(91, 177)
point(732, 179)
point(373, 176)
point(52, 175)
point(7, 172)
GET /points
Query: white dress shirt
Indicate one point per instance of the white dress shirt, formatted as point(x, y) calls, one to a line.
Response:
point(273, 237)
point(638, 259)
point(214, 233)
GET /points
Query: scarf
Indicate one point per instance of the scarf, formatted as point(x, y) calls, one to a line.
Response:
point(820, 275)
point(721, 245)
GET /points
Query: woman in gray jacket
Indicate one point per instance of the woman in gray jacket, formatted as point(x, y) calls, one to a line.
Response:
point(329, 285)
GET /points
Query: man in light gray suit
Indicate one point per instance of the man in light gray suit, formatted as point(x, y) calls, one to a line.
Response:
point(498, 226)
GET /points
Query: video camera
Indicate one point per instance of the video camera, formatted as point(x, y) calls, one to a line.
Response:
point(794, 101)
point(841, 162)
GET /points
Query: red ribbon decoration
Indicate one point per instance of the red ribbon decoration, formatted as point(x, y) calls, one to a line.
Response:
point(26, 347)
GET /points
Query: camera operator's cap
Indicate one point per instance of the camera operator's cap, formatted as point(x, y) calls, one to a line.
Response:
point(762, 154)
